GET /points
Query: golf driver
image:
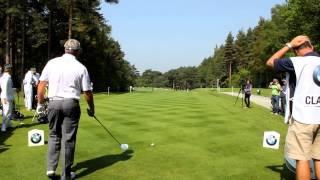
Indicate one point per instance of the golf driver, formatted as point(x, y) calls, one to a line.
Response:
point(122, 146)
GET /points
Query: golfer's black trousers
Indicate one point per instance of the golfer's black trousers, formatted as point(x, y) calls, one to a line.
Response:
point(247, 99)
point(63, 116)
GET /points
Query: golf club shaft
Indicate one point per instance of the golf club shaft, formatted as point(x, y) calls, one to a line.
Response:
point(107, 130)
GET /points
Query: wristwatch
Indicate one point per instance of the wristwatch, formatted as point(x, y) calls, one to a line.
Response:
point(289, 45)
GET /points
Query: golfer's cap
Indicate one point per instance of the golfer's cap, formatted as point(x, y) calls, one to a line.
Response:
point(33, 69)
point(7, 67)
point(72, 44)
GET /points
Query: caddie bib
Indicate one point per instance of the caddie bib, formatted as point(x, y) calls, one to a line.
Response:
point(306, 99)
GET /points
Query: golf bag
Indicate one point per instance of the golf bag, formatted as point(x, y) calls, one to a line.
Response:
point(16, 114)
point(43, 117)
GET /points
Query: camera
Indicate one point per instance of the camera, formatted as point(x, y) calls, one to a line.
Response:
point(242, 84)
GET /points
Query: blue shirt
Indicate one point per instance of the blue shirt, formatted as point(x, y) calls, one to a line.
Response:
point(286, 65)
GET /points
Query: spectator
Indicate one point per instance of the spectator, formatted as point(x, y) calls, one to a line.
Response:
point(7, 97)
point(283, 97)
point(247, 93)
point(275, 95)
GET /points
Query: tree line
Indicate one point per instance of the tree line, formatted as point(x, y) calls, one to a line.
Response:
point(243, 56)
point(35, 31)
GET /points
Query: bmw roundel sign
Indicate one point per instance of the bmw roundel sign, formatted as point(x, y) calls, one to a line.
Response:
point(316, 75)
point(271, 140)
point(36, 137)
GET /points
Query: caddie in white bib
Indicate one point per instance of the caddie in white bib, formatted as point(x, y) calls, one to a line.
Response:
point(306, 100)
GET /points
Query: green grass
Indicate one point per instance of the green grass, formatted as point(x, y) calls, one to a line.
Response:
point(197, 135)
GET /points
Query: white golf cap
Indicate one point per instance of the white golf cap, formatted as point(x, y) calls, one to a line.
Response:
point(72, 44)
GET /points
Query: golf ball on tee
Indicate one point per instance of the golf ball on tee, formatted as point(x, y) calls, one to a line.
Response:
point(124, 147)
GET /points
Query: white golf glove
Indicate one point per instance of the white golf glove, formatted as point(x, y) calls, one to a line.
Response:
point(40, 108)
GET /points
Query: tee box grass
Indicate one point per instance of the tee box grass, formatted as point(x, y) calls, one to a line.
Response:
point(199, 134)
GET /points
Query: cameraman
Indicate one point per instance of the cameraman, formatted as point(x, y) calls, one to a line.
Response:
point(247, 93)
point(303, 138)
point(275, 95)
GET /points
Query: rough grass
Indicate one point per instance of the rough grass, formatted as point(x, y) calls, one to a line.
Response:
point(196, 135)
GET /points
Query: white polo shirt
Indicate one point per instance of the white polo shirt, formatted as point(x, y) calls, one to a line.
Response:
point(7, 91)
point(66, 77)
point(30, 78)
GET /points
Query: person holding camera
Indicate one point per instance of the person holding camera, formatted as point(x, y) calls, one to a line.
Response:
point(275, 95)
point(303, 72)
point(247, 93)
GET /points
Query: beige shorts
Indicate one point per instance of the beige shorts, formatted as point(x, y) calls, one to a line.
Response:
point(303, 141)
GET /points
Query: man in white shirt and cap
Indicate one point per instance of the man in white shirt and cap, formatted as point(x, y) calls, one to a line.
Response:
point(66, 77)
point(7, 97)
point(29, 82)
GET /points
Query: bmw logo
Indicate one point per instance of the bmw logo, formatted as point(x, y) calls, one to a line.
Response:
point(271, 140)
point(316, 75)
point(36, 138)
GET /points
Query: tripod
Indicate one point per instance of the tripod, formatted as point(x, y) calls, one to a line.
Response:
point(242, 92)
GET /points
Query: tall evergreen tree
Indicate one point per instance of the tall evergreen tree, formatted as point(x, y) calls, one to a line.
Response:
point(229, 55)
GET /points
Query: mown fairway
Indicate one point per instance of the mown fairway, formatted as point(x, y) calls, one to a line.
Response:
point(196, 135)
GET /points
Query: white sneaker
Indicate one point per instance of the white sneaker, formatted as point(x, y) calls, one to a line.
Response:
point(3, 128)
point(51, 173)
point(73, 175)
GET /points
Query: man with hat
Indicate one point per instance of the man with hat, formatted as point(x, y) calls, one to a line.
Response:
point(66, 77)
point(7, 97)
point(303, 73)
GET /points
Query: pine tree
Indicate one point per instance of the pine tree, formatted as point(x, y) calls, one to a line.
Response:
point(229, 55)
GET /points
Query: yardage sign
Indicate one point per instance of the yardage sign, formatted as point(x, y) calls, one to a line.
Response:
point(271, 139)
point(35, 137)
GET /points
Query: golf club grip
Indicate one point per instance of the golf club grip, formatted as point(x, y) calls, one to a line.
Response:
point(106, 130)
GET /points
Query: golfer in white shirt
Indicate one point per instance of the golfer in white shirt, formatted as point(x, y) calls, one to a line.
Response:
point(66, 77)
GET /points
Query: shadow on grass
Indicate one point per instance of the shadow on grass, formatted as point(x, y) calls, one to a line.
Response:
point(285, 173)
point(3, 137)
point(101, 162)
point(9, 132)
point(27, 125)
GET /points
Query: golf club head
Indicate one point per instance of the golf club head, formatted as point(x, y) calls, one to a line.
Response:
point(124, 147)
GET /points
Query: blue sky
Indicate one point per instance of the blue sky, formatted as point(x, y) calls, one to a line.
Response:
point(167, 34)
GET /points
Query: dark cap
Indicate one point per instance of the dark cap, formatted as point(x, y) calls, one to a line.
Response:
point(7, 67)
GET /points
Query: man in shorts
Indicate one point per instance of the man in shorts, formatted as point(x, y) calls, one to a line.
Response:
point(303, 138)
